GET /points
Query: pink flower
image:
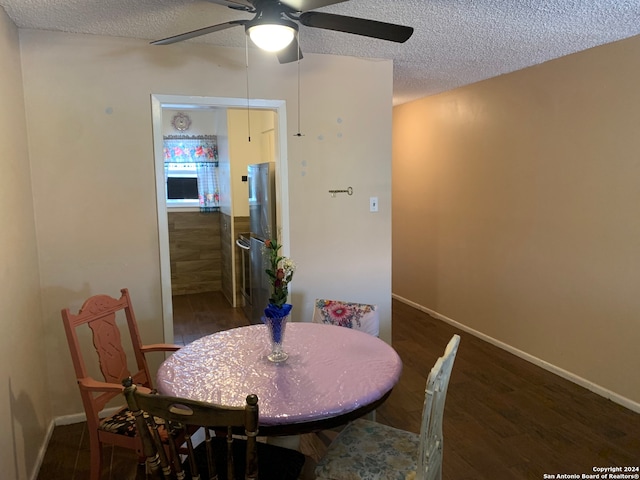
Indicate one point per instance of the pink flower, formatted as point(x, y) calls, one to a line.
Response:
point(341, 315)
point(338, 311)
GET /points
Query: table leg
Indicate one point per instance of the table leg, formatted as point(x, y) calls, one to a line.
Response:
point(288, 441)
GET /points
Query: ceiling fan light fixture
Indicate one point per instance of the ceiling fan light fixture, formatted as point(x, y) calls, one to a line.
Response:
point(272, 37)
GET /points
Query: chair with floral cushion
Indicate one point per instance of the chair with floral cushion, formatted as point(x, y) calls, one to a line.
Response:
point(359, 316)
point(366, 450)
point(99, 317)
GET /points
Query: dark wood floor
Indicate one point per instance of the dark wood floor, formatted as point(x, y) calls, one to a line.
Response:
point(504, 417)
point(200, 314)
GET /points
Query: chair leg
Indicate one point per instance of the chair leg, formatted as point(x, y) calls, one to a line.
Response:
point(95, 447)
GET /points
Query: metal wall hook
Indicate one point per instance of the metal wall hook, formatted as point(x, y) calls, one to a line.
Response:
point(348, 191)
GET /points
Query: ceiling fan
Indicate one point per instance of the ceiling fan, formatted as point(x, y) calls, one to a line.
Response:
point(274, 18)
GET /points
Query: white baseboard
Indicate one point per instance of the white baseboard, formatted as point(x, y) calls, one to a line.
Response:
point(42, 451)
point(81, 417)
point(70, 419)
point(604, 392)
point(63, 420)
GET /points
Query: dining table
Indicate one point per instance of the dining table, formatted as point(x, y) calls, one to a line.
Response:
point(332, 375)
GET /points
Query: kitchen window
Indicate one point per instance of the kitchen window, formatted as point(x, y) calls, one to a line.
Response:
point(191, 171)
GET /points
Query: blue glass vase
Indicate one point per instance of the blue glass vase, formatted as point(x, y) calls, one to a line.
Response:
point(276, 321)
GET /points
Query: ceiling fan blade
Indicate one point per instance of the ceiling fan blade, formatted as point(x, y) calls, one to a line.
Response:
point(199, 32)
point(306, 5)
point(358, 26)
point(291, 53)
point(245, 5)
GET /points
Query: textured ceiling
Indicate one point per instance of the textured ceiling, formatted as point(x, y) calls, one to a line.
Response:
point(456, 42)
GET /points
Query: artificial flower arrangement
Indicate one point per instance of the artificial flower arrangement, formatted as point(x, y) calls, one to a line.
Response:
point(280, 273)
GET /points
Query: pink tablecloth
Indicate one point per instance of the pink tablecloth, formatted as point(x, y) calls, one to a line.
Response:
point(330, 371)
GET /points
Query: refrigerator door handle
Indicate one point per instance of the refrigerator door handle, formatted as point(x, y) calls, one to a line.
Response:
point(242, 245)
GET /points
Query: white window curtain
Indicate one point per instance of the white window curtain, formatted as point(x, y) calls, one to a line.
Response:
point(201, 150)
point(208, 188)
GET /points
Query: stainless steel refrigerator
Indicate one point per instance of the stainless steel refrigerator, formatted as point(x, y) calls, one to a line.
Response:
point(262, 223)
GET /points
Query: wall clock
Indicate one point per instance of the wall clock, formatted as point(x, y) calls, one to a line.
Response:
point(181, 122)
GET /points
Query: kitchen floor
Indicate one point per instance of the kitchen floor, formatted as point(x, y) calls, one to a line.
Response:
point(199, 314)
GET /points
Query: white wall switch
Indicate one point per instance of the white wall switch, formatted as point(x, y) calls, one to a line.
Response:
point(373, 204)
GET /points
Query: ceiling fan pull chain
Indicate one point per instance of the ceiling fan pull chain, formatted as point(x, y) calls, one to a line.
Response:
point(299, 134)
point(246, 48)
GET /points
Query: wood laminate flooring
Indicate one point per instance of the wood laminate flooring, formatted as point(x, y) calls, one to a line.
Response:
point(504, 418)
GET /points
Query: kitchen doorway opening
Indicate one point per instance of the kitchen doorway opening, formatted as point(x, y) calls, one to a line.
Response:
point(177, 118)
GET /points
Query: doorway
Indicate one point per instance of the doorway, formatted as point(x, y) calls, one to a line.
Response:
point(164, 105)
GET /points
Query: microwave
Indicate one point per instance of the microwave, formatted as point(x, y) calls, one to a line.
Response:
point(182, 185)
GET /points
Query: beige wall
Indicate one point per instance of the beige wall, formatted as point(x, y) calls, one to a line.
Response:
point(90, 135)
point(515, 212)
point(243, 152)
point(24, 409)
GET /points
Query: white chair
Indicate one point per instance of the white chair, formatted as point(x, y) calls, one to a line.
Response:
point(366, 450)
point(359, 316)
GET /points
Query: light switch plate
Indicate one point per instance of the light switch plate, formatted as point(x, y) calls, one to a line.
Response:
point(373, 204)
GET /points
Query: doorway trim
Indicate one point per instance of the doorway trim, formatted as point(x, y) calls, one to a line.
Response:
point(158, 103)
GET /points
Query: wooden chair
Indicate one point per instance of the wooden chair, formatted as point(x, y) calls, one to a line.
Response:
point(359, 316)
point(223, 457)
point(100, 314)
point(366, 449)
